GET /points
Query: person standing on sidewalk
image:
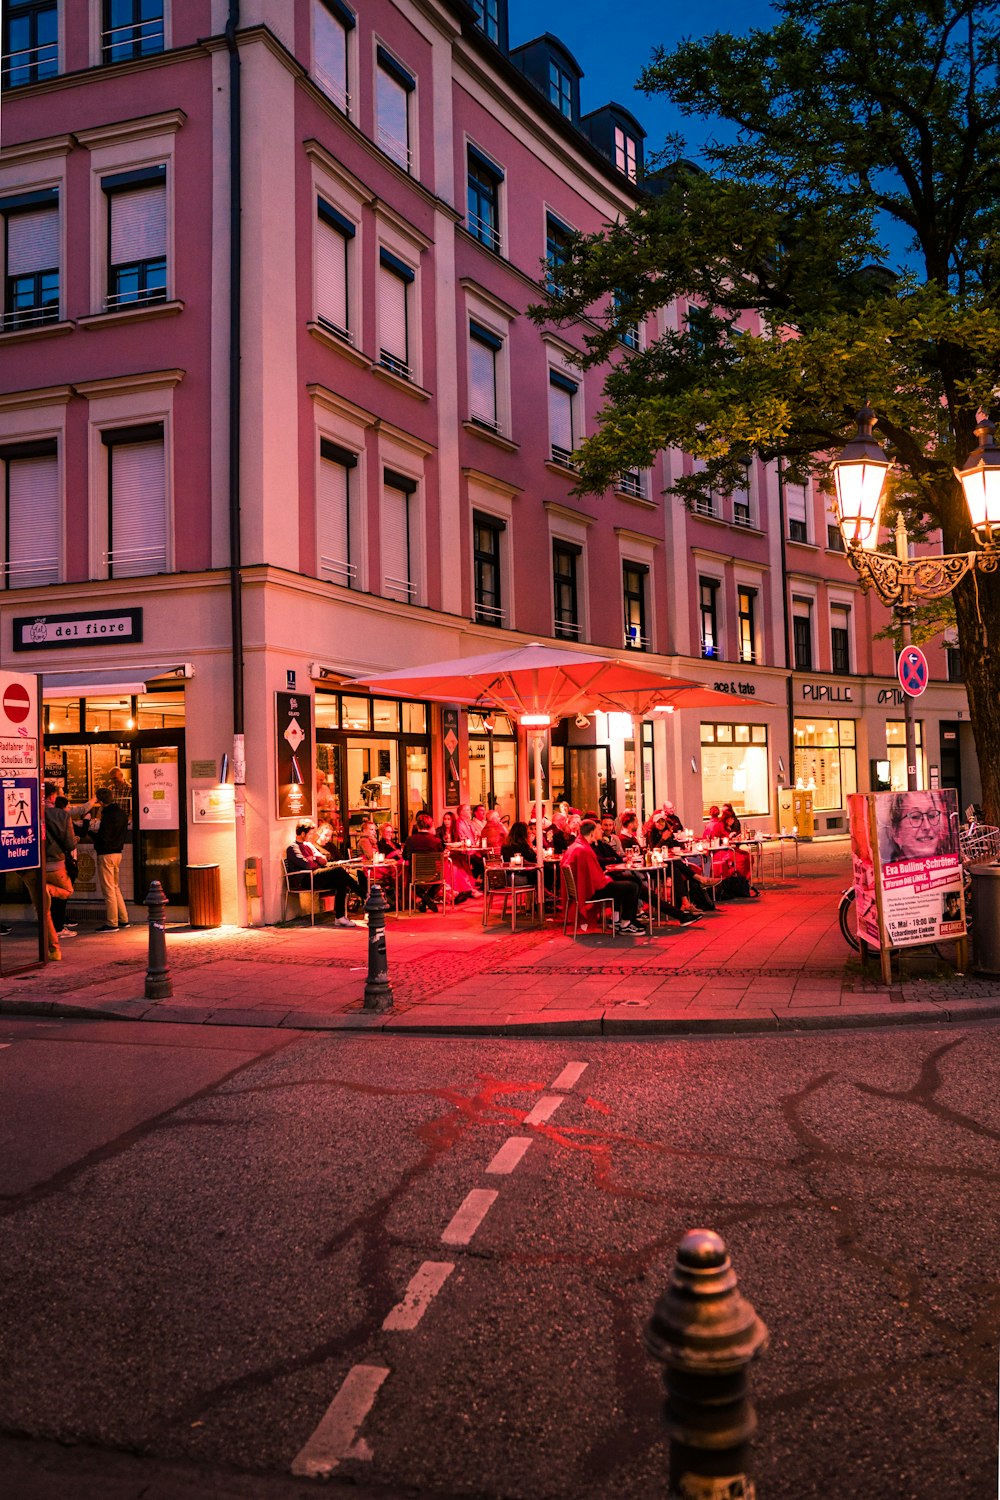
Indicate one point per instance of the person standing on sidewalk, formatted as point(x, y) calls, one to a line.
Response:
point(109, 841)
point(60, 840)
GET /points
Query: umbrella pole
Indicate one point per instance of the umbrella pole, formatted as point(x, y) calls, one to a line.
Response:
point(539, 836)
point(639, 762)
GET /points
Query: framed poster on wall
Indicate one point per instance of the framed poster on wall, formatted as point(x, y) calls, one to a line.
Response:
point(294, 757)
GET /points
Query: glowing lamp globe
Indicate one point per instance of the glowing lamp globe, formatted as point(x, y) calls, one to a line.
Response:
point(859, 474)
point(980, 479)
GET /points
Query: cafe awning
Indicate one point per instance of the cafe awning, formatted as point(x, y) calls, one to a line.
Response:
point(121, 683)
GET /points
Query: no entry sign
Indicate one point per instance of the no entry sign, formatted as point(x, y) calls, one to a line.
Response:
point(16, 703)
point(911, 669)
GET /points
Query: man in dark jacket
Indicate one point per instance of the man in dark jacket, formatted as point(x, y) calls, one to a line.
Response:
point(109, 841)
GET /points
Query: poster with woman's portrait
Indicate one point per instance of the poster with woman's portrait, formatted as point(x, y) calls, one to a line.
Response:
point(919, 867)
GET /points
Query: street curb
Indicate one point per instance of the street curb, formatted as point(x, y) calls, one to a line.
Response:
point(774, 1023)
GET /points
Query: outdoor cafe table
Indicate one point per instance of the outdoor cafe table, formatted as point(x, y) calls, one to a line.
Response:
point(394, 867)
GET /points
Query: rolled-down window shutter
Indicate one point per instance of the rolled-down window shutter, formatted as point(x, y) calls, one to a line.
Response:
point(561, 417)
point(138, 498)
point(33, 241)
point(393, 293)
point(331, 275)
point(333, 525)
point(397, 582)
point(32, 521)
point(482, 382)
point(138, 224)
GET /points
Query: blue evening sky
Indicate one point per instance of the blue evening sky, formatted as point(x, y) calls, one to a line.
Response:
point(613, 45)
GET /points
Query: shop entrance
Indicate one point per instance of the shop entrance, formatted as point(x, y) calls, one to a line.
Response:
point(582, 776)
point(374, 756)
point(493, 764)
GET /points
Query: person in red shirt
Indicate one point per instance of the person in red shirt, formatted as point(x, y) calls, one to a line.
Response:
point(591, 880)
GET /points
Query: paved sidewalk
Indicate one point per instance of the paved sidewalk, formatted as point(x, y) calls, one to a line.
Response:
point(774, 964)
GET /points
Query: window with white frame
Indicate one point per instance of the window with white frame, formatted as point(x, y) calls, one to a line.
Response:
point(131, 28)
point(137, 500)
point(626, 153)
point(633, 483)
point(635, 578)
point(335, 524)
point(394, 87)
point(628, 333)
point(399, 579)
point(31, 513)
point(840, 638)
point(566, 589)
point(746, 619)
point(563, 423)
point(743, 499)
point(334, 236)
point(395, 279)
point(31, 259)
point(137, 236)
point(30, 42)
point(708, 610)
point(557, 242)
point(483, 199)
point(332, 27)
point(802, 628)
point(798, 516)
point(484, 385)
point(487, 541)
point(705, 505)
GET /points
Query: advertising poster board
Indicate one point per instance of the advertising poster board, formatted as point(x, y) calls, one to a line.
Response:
point(293, 738)
point(158, 799)
point(905, 853)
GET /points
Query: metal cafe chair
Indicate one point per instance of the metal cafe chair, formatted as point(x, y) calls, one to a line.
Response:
point(298, 890)
point(500, 884)
point(427, 872)
point(571, 899)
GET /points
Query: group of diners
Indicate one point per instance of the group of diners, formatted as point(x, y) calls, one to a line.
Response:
point(598, 851)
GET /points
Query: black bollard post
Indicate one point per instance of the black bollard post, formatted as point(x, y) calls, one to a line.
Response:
point(378, 990)
point(159, 985)
point(705, 1333)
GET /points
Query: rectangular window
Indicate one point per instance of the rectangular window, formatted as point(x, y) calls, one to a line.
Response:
point(137, 236)
point(895, 739)
point(954, 660)
point(31, 259)
point(802, 634)
point(393, 88)
point(484, 349)
point(30, 42)
point(826, 759)
point(332, 25)
point(557, 242)
point(565, 558)
point(840, 638)
point(734, 767)
point(742, 502)
point(137, 501)
point(562, 418)
point(747, 601)
point(334, 234)
point(628, 333)
point(334, 540)
point(398, 581)
point(626, 154)
point(484, 182)
point(395, 279)
point(488, 18)
point(487, 534)
point(132, 28)
point(835, 539)
point(634, 576)
point(31, 513)
point(633, 483)
point(708, 590)
point(560, 89)
point(798, 525)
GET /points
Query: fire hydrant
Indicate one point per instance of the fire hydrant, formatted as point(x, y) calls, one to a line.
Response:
point(378, 990)
point(705, 1334)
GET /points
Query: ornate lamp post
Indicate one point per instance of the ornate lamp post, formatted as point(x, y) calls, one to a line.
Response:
point(900, 581)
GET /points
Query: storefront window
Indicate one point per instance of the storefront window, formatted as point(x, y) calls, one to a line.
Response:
point(101, 715)
point(385, 715)
point(160, 711)
point(62, 715)
point(895, 738)
point(734, 767)
point(493, 764)
point(327, 711)
point(826, 760)
point(354, 713)
point(371, 768)
point(414, 718)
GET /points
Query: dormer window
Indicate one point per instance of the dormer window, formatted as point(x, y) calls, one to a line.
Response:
point(626, 153)
point(560, 89)
point(488, 18)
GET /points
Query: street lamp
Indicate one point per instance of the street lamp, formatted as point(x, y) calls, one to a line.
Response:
point(900, 581)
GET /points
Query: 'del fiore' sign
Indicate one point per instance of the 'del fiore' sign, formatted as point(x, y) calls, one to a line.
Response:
point(96, 628)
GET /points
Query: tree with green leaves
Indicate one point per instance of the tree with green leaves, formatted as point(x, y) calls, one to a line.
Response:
point(854, 124)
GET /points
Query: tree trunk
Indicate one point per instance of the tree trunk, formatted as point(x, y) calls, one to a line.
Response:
point(977, 607)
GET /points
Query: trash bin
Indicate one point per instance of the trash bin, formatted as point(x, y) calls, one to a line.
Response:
point(986, 917)
point(205, 895)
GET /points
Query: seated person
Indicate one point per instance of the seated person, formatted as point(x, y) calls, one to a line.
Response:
point(519, 842)
point(388, 844)
point(494, 834)
point(591, 881)
point(628, 831)
point(368, 847)
point(305, 855)
point(423, 840)
point(608, 846)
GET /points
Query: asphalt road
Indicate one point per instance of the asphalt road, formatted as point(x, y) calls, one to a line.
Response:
point(233, 1254)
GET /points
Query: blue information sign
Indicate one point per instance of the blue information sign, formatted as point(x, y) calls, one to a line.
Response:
point(19, 849)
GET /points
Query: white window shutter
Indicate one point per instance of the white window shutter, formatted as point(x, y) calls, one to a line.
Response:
point(331, 275)
point(392, 315)
point(482, 382)
point(138, 509)
point(33, 241)
point(796, 499)
point(138, 224)
point(561, 418)
point(33, 522)
point(396, 579)
point(333, 525)
point(330, 60)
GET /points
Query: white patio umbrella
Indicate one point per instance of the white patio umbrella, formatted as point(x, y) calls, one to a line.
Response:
point(539, 684)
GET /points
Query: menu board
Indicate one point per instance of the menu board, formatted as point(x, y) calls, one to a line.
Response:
point(77, 773)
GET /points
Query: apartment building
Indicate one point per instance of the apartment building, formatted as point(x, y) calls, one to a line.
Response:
point(272, 417)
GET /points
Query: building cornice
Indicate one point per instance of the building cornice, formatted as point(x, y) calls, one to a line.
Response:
point(138, 129)
point(491, 482)
point(123, 385)
point(339, 405)
point(38, 150)
point(642, 537)
point(469, 284)
point(48, 395)
point(565, 513)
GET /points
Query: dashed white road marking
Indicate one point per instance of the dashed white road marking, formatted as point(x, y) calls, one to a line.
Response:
point(570, 1075)
point(509, 1155)
point(544, 1109)
point(423, 1288)
point(334, 1438)
point(4, 1045)
point(469, 1217)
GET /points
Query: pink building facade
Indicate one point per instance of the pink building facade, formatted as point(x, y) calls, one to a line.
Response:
point(272, 417)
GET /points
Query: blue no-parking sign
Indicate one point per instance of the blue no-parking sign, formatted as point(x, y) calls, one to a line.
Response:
point(912, 671)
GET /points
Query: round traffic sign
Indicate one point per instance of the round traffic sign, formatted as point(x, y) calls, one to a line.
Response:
point(16, 703)
point(912, 671)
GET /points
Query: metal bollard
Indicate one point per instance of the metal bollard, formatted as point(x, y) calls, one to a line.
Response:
point(378, 990)
point(159, 985)
point(705, 1333)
